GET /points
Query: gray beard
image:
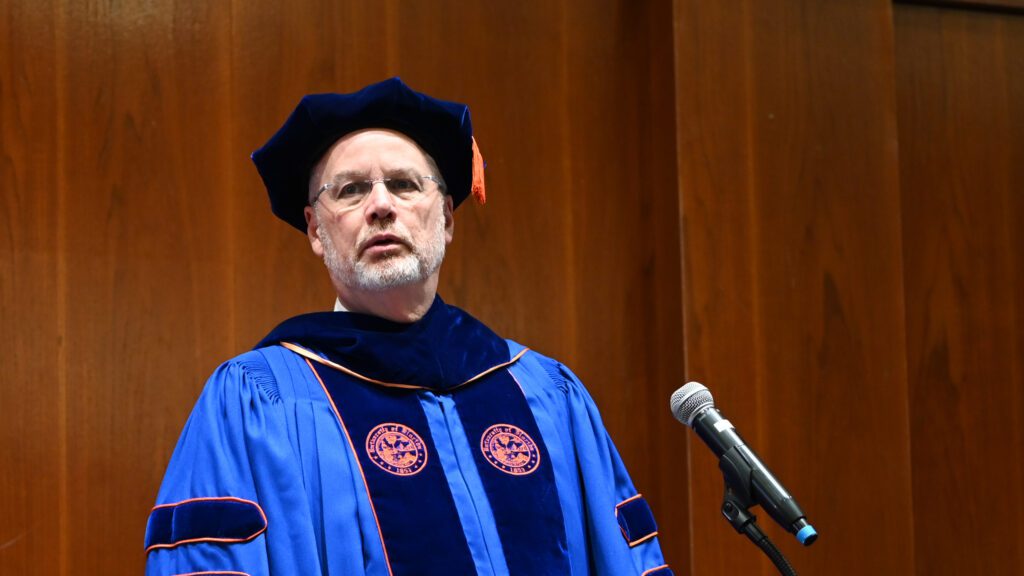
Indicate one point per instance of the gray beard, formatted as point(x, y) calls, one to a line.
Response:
point(391, 272)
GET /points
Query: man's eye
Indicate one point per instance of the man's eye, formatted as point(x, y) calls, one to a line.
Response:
point(402, 185)
point(350, 189)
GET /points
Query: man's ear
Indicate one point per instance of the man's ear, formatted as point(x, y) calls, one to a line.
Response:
point(312, 225)
point(449, 219)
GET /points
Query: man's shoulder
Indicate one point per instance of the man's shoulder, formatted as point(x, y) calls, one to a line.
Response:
point(271, 370)
point(540, 367)
point(261, 361)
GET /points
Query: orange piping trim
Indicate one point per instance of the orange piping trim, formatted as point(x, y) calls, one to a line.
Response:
point(516, 380)
point(316, 358)
point(644, 539)
point(496, 367)
point(653, 570)
point(626, 501)
point(387, 560)
point(215, 572)
point(218, 540)
point(621, 529)
point(311, 356)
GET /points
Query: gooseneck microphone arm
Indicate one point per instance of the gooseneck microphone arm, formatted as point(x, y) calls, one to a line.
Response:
point(747, 480)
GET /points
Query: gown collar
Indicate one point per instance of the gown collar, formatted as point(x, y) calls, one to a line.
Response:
point(440, 351)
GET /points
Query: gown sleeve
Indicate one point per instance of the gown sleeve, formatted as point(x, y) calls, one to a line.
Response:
point(232, 500)
point(620, 526)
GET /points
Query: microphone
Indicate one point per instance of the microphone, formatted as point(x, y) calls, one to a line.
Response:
point(745, 476)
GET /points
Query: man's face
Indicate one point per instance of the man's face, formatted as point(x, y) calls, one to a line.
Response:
point(383, 239)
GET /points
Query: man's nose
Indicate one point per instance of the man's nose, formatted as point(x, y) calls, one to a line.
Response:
point(380, 204)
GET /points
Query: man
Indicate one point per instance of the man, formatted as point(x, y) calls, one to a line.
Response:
point(397, 435)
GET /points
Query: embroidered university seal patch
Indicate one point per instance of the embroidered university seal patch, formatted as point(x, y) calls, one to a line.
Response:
point(396, 448)
point(510, 450)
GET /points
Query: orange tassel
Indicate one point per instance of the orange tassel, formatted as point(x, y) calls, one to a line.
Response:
point(477, 188)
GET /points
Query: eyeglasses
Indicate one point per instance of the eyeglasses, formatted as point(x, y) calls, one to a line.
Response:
point(351, 193)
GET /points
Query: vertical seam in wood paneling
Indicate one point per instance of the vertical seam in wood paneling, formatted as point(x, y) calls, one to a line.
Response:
point(753, 236)
point(684, 309)
point(60, 224)
point(567, 166)
point(680, 204)
point(1009, 255)
point(232, 145)
point(753, 228)
point(900, 254)
point(391, 40)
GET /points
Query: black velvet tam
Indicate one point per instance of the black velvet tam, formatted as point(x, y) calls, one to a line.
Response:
point(443, 129)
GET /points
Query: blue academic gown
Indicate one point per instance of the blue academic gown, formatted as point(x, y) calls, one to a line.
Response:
point(348, 445)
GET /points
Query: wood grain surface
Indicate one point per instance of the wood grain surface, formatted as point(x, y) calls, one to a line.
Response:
point(793, 306)
point(33, 312)
point(961, 111)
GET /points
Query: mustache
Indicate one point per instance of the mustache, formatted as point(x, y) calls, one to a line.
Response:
point(396, 229)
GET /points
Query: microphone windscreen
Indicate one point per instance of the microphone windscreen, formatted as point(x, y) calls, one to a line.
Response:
point(689, 401)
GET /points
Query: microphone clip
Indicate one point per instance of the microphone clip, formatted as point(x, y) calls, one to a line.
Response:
point(736, 509)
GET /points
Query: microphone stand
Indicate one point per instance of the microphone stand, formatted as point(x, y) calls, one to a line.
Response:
point(735, 508)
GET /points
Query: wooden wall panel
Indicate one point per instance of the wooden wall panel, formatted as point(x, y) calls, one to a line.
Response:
point(961, 125)
point(147, 300)
point(792, 278)
point(33, 378)
point(715, 179)
point(162, 258)
point(620, 179)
